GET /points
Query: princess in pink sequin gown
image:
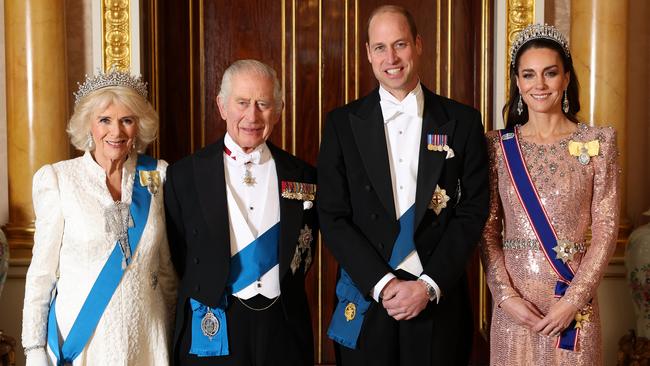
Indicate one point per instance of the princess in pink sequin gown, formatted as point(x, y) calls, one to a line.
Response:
point(576, 192)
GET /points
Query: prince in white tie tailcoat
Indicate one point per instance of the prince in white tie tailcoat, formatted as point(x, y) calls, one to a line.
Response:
point(402, 148)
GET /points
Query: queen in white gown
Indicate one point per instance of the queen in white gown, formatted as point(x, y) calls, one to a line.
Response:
point(82, 211)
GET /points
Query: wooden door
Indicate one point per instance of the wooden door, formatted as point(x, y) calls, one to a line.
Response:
point(317, 48)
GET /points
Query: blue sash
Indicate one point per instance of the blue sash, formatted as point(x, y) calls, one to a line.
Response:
point(246, 267)
point(345, 328)
point(107, 281)
point(540, 222)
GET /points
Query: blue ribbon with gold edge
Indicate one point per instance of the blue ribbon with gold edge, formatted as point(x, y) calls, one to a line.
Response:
point(352, 304)
point(538, 218)
point(107, 280)
point(246, 267)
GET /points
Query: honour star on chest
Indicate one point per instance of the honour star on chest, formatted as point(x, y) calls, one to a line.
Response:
point(438, 200)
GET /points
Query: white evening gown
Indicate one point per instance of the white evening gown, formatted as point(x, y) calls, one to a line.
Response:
point(71, 246)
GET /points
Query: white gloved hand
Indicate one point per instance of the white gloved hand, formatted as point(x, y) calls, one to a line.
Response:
point(37, 357)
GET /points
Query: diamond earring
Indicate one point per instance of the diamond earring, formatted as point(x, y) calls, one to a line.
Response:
point(565, 102)
point(520, 106)
point(90, 144)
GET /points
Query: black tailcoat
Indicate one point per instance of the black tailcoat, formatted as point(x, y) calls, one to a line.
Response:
point(359, 225)
point(199, 239)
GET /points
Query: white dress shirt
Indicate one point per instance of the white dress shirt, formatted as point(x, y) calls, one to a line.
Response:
point(403, 128)
point(252, 209)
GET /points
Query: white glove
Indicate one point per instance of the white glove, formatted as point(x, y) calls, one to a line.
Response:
point(37, 357)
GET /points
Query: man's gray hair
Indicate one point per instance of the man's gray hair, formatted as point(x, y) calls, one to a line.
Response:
point(252, 66)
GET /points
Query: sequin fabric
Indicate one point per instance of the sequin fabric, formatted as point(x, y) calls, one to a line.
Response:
point(575, 196)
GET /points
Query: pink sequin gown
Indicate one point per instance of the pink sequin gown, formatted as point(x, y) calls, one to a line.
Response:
point(575, 196)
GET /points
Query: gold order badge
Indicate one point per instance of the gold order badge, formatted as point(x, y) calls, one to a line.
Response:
point(350, 311)
point(583, 316)
point(151, 180)
point(438, 200)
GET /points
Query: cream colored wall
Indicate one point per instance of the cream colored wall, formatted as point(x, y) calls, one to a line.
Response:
point(617, 311)
point(614, 295)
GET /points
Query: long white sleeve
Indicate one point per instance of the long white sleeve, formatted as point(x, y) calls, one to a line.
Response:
point(43, 270)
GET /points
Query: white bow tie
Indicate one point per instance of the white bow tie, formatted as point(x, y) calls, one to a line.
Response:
point(253, 157)
point(243, 158)
point(391, 109)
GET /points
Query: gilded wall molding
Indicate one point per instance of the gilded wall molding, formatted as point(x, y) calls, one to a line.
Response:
point(116, 34)
point(520, 13)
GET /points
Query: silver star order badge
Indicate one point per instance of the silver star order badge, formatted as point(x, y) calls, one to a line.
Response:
point(565, 250)
point(438, 200)
point(304, 246)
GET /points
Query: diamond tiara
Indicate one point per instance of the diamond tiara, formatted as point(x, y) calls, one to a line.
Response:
point(538, 31)
point(114, 77)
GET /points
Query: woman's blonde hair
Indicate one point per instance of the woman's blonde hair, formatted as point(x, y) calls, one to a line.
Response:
point(146, 117)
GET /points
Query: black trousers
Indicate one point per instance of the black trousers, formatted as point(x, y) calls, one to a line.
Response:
point(440, 335)
point(256, 338)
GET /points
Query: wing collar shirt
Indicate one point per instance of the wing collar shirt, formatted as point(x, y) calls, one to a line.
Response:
point(257, 206)
point(403, 128)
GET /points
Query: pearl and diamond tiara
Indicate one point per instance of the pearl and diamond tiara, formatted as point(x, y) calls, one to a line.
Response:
point(114, 77)
point(538, 31)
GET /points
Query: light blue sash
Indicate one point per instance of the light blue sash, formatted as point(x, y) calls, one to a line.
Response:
point(246, 267)
point(107, 281)
point(344, 330)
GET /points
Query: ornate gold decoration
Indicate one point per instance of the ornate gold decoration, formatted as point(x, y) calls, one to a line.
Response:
point(584, 150)
point(520, 14)
point(116, 39)
point(438, 200)
point(151, 180)
point(583, 316)
point(350, 311)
